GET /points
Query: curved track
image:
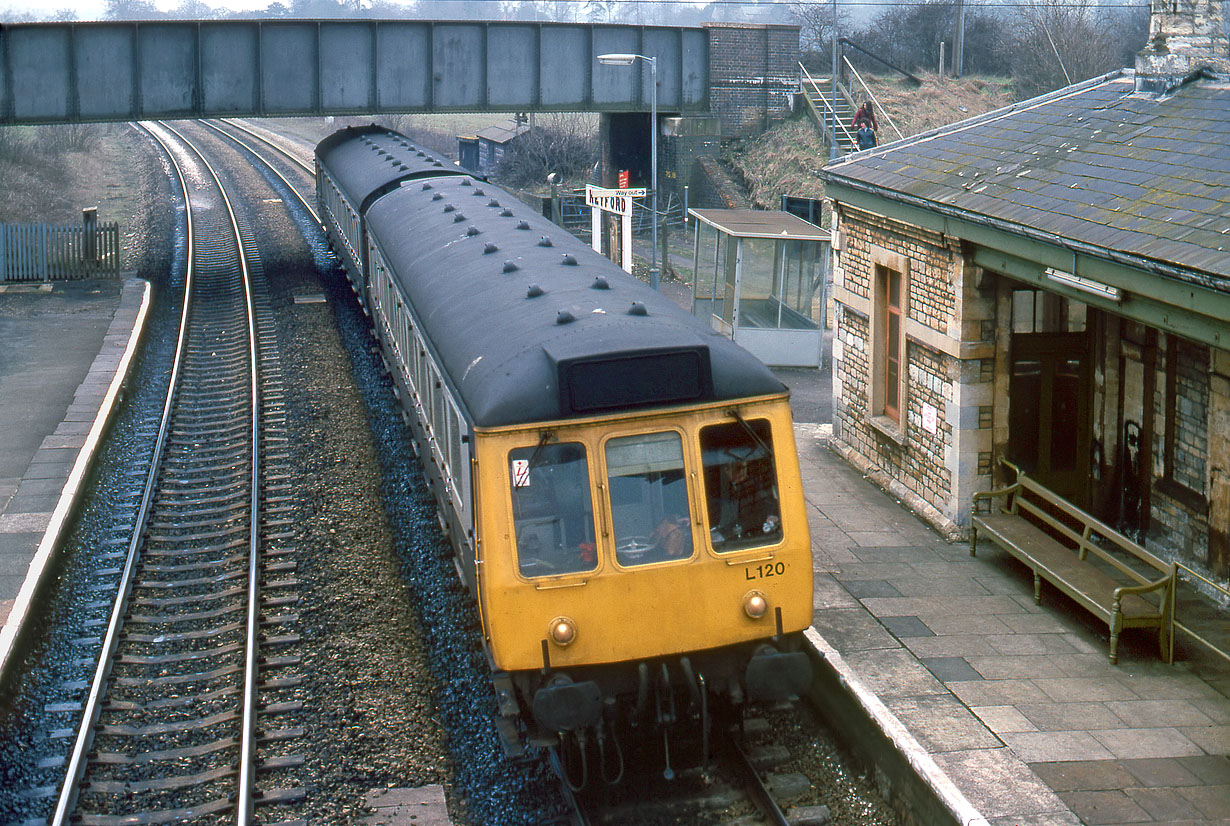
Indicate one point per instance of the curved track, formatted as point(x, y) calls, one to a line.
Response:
point(169, 725)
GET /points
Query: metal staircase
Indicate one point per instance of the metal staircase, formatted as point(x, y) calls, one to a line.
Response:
point(821, 107)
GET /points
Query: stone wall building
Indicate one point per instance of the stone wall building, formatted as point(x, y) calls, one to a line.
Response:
point(1050, 283)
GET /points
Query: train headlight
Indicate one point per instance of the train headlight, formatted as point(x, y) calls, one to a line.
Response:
point(755, 604)
point(562, 631)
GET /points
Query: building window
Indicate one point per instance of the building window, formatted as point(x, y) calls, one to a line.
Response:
point(888, 362)
point(1037, 311)
point(1186, 411)
point(892, 346)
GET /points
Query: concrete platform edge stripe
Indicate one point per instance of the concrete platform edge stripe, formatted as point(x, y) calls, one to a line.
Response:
point(51, 537)
point(914, 753)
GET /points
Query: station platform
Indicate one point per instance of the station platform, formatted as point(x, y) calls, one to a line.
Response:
point(1010, 709)
point(65, 349)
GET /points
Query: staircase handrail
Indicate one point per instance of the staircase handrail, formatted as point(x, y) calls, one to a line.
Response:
point(827, 105)
point(871, 95)
point(845, 41)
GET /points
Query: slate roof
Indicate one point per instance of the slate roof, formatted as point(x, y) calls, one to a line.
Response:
point(1132, 174)
point(503, 132)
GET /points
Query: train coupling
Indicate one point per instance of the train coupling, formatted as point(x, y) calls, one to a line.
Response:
point(564, 705)
point(774, 675)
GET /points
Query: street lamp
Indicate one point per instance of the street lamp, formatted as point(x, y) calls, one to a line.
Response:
point(619, 59)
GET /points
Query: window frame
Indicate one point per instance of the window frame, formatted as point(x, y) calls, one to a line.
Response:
point(888, 419)
point(597, 519)
point(608, 505)
point(1176, 488)
point(703, 499)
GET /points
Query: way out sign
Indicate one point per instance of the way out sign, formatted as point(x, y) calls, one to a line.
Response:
point(617, 202)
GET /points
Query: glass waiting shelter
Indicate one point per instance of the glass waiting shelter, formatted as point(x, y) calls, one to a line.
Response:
point(760, 279)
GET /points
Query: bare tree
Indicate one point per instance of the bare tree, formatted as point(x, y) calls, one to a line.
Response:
point(562, 143)
point(132, 10)
point(817, 20)
point(193, 10)
point(1055, 43)
point(601, 11)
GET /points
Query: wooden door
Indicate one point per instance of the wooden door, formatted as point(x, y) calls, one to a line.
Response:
point(1049, 403)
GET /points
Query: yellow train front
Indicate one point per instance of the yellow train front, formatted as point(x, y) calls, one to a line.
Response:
point(627, 554)
point(620, 483)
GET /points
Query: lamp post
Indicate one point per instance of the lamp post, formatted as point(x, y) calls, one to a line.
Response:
point(619, 59)
point(833, 145)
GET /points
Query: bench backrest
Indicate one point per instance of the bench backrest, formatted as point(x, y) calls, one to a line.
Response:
point(1084, 532)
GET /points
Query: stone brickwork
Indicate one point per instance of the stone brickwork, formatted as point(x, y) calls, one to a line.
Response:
point(941, 453)
point(712, 188)
point(684, 141)
point(932, 299)
point(1218, 552)
point(1183, 37)
point(753, 73)
point(930, 385)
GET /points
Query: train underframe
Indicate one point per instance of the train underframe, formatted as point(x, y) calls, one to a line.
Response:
point(595, 710)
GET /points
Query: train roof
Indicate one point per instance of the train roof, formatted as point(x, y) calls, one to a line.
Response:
point(532, 325)
point(367, 161)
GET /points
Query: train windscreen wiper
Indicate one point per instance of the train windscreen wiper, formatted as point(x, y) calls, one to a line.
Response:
point(547, 436)
point(755, 436)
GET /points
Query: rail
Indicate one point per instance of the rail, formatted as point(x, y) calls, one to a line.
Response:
point(43, 252)
point(805, 75)
point(872, 97)
point(845, 41)
point(1189, 629)
point(192, 398)
point(85, 734)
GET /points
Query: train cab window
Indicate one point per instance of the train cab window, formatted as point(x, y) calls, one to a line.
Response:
point(649, 498)
point(741, 485)
point(553, 514)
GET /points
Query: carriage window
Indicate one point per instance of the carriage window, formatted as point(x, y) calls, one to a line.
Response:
point(649, 498)
point(741, 485)
point(553, 514)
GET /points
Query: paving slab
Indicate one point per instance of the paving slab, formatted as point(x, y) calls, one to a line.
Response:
point(1015, 704)
point(68, 347)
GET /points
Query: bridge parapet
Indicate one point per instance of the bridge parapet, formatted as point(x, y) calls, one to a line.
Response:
point(68, 72)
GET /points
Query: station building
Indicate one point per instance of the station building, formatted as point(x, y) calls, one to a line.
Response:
point(1050, 283)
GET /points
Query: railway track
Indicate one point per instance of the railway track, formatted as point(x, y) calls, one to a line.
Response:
point(184, 705)
point(738, 778)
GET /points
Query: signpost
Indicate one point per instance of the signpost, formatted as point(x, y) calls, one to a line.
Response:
point(618, 202)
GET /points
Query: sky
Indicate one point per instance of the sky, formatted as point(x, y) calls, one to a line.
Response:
point(95, 9)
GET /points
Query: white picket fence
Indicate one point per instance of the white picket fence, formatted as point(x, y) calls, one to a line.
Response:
point(43, 252)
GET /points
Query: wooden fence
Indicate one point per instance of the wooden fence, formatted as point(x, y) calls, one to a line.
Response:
point(42, 252)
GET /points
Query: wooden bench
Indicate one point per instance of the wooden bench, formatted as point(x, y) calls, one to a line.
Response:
point(1081, 556)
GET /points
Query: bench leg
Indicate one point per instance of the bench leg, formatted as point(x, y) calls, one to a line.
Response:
point(973, 540)
point(1165, 641)
point(1116, 623)
point(1037, 589)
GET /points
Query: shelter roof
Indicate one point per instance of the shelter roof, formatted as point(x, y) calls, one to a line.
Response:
point(759, 223)
point(1129, 173)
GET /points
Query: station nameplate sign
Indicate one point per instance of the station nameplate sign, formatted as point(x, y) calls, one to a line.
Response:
point(618, 201)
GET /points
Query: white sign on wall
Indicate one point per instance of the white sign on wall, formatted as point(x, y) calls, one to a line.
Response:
point(930, 418)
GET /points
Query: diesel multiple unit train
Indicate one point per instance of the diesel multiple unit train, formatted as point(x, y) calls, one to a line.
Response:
point(620, 482)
